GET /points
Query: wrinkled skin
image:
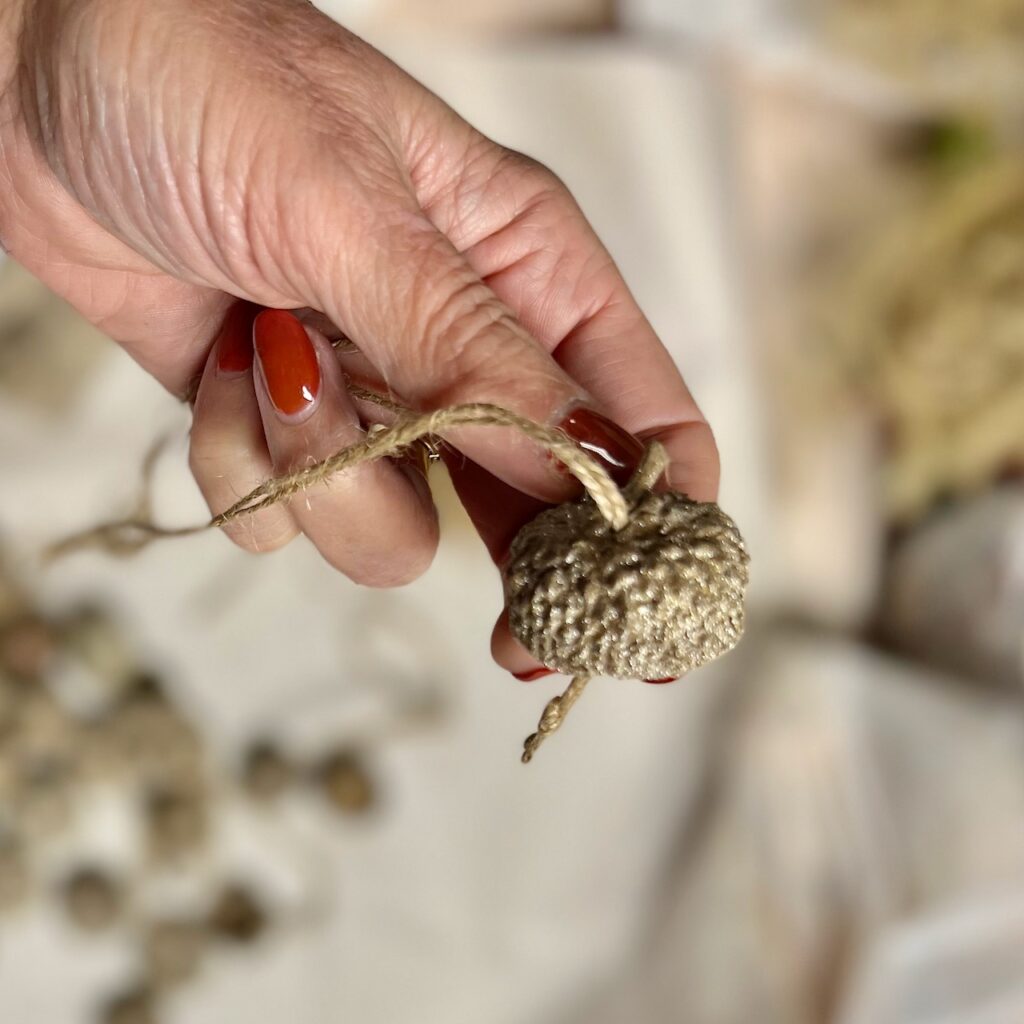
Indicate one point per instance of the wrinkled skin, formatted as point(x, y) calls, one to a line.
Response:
point(159, 161)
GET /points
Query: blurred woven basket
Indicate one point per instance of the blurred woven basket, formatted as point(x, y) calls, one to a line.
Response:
point(948, 49)
point(927, 323)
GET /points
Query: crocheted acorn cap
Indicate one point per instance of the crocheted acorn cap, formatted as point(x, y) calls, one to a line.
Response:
point(657, 598)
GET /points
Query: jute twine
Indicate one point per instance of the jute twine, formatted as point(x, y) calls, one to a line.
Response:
point(133, 533)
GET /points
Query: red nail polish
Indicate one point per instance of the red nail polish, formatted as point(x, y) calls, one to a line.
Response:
point(601, 438)
point(658, 682)
point(234, 343)
point(534, 673)
point(288, 361)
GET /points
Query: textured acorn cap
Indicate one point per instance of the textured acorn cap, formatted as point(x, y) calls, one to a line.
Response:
point(655, 599)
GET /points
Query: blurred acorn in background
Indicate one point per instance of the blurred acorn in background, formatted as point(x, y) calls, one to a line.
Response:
point(173, 950)
point(92, 898)
point(266, 770)
point(238, 916)
point(14, 872)
point(175, 820)
point(345, 782)
point(28, 644)
point(136, 1005)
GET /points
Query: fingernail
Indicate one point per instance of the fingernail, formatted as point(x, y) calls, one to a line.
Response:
point(288, 362)
point(604, 440)
point(534, 673)
point(234, 343)
point(658, 682)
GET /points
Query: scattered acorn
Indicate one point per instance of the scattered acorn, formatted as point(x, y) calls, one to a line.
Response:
point(151, 732)
point(238, 915)
point(42, 798)
point(345, 782)
point(266, 771)
point(27, 646)
point(92, 898)
point(94, 639)
point(173, 950)
point(136, 1005)
point(14, 872)
point(175, 820)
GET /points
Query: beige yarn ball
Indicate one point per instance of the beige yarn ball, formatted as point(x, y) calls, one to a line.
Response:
point(653, 600)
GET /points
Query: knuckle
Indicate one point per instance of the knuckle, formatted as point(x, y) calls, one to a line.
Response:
point(466, 329)
point(461, 322)
point(541, 180)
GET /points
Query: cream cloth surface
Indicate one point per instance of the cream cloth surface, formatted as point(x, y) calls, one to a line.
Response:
point(484, 891)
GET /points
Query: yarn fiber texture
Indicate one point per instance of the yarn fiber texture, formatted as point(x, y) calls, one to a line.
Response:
point(654, 599)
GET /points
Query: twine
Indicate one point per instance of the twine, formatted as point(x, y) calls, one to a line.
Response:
point(130, 535)
point(553, 717)
point(652, 465)
point(126, 536)
point(386, 441)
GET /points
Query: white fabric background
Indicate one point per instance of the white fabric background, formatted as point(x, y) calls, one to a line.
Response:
point(485, 891)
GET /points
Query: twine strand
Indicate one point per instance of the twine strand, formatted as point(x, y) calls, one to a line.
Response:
point(130, 535)
point(391, 440)
point(554, 715)
point(654, 462)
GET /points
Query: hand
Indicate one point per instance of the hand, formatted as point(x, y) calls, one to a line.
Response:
point(160, 162)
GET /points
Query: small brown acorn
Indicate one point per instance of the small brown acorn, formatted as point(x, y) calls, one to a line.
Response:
point(15, 877)
point(345, 782)
point(175, 820)
point(238, 915)
point(266, 771)
point(93, 898)
point(655, 599)
point(133, 1006)
point(173, 949)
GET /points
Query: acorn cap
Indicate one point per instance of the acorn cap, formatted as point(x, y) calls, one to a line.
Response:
point(657, 598)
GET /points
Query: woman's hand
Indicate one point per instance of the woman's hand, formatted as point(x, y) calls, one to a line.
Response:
point(159, 162)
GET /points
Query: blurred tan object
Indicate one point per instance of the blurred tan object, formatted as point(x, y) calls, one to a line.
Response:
point(266, 771)
point(927, 323)
point(173, 950)
point(93, 898)
point(15, 875)
point(134, 1006)
point(176, 822)
point(954, 594)
point(346, 783)
point(46, 350)
point(238, 915)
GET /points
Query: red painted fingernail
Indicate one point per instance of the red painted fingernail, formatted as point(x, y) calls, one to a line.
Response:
point(603, 439)
point(288, 362)
point(658, 682)
point(234, 343)
point(534, 673)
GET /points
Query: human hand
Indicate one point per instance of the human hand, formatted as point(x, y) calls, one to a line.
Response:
point(159, 162)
